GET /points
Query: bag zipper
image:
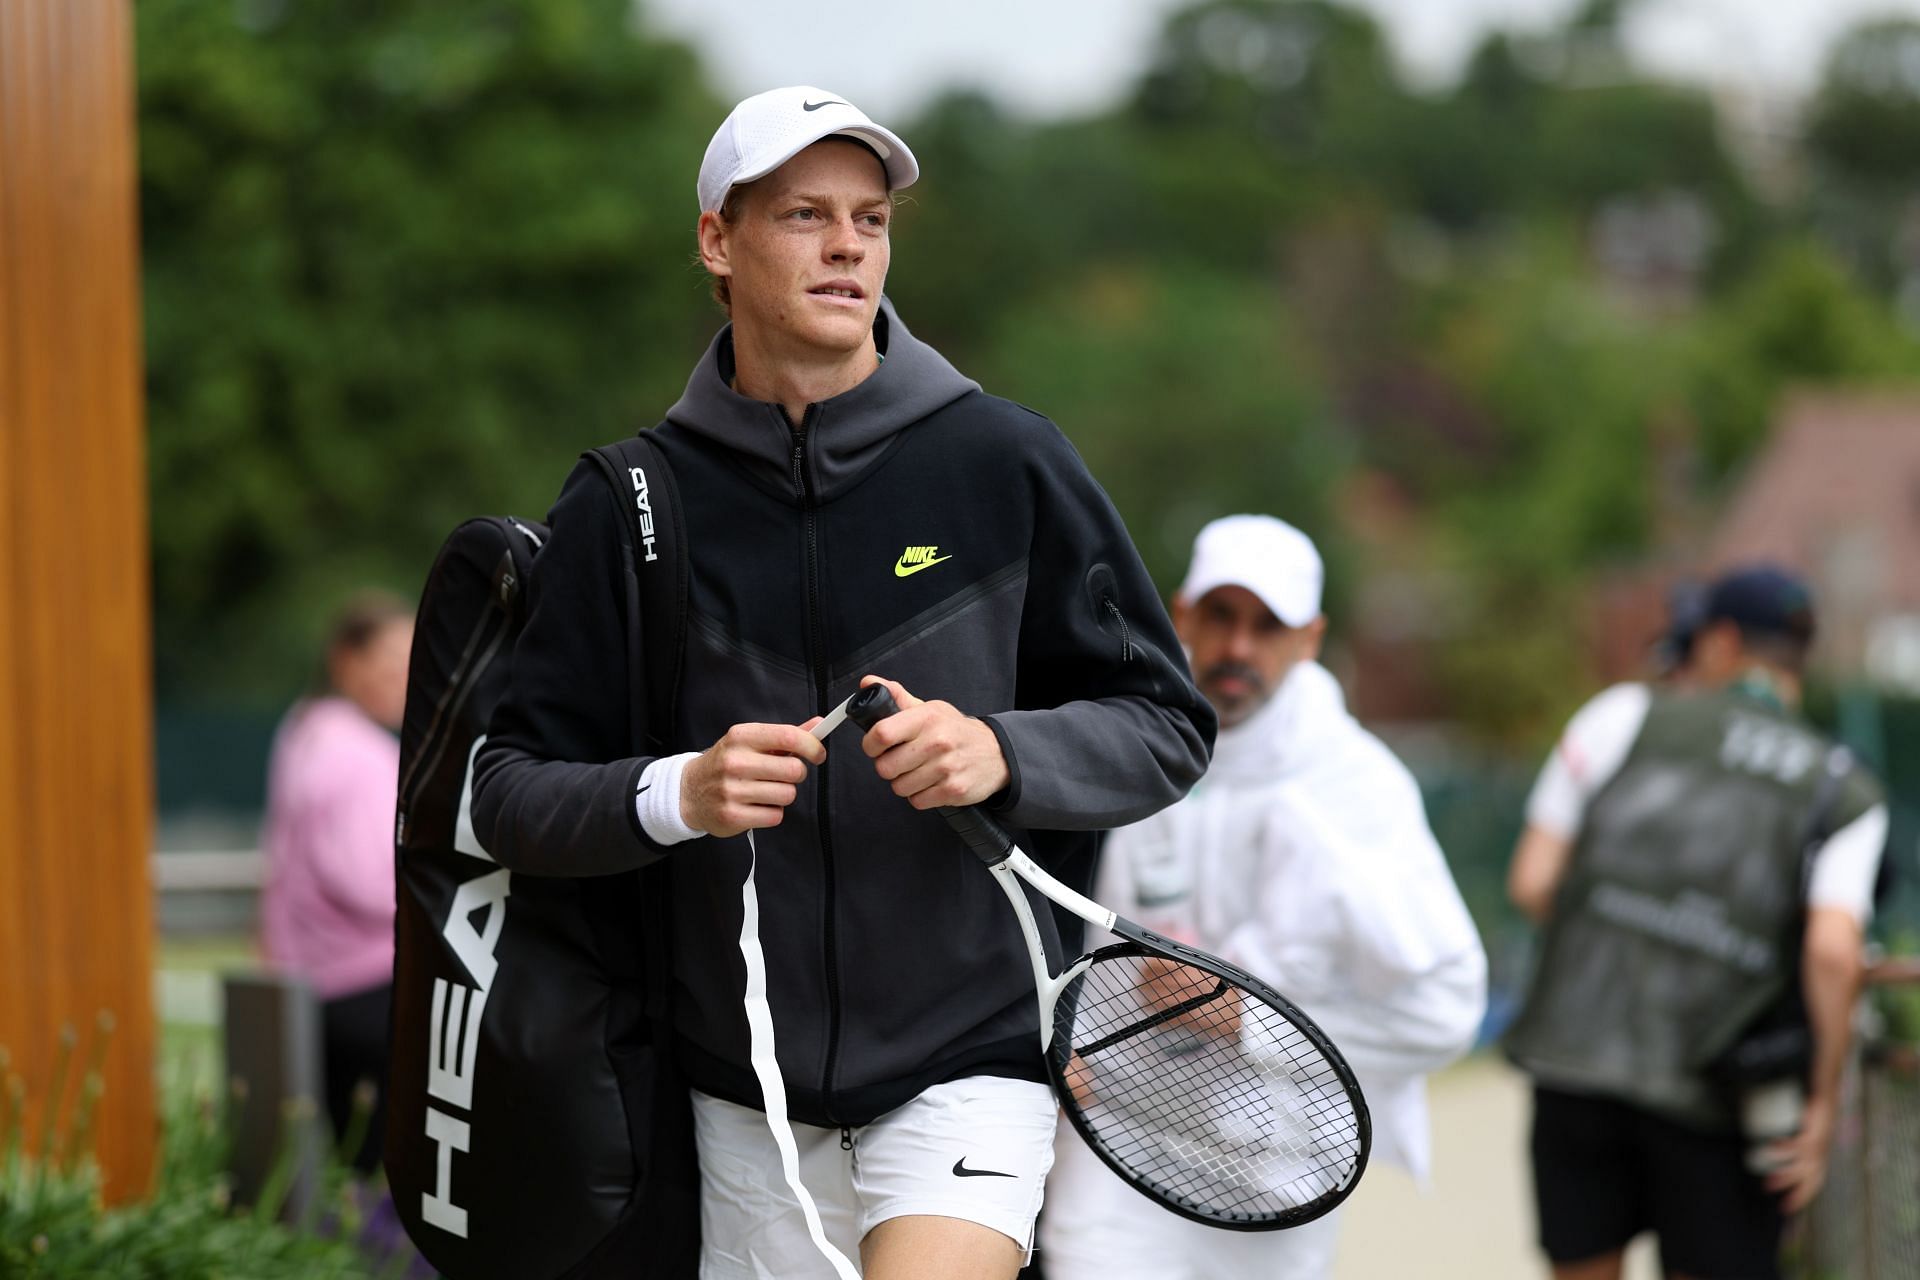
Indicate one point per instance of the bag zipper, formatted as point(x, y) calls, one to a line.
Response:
point(475, 656)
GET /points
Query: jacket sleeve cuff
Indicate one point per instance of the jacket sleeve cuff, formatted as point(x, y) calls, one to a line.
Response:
point(1008, 796)
point(656, 800)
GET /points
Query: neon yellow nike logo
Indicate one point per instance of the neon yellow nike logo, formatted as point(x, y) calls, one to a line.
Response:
point(914, 559)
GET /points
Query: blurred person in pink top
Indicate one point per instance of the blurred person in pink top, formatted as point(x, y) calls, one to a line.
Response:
point(326, 913)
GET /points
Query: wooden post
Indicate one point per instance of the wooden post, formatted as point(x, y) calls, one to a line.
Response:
point(76, 790)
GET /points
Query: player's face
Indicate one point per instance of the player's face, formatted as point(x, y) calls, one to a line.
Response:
point(806, 252)
point(1240, 651)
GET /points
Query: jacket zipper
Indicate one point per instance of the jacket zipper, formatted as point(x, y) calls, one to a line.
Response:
point(817, 644)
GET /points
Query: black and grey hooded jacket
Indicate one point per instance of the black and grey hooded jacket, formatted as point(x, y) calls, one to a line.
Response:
point(915, 528)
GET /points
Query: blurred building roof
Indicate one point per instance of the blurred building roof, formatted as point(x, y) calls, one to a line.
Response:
point(1836, 495)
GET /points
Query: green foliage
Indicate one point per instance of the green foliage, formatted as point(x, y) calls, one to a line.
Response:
point(1182, 391)
point(54, 1224)
point(402, 261)
point(1571, 383)
point(1799, 320)
point(1863, 152)
point(53, 1227)
point(1656, 136)
point(1287, 77)
point(1865, 122)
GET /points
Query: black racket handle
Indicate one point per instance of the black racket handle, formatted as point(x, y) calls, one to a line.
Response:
point(977, 828)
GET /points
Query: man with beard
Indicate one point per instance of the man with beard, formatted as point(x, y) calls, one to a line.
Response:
point(1303, 856)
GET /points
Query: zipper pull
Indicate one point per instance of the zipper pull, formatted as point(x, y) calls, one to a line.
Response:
point(1126, 637)
point(846, 1138)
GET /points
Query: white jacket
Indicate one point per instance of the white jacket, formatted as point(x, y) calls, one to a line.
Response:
point(1304, 856)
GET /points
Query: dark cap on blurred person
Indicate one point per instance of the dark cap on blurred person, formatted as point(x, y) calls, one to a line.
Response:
point(1686, 614)
point(1762, 600)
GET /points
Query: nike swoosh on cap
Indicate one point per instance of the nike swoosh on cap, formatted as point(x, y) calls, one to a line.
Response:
point(825, 102)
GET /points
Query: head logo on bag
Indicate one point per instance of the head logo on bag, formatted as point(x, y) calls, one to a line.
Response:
point(643, 508)
point(453, 1033)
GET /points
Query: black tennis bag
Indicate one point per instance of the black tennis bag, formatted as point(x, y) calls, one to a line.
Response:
point(536, 1127)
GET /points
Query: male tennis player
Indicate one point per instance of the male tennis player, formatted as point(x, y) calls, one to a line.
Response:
point(1665, 856)
point(854, 507)
point(1304, 857)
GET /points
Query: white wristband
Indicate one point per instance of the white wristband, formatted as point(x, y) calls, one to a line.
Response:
point(657, 800)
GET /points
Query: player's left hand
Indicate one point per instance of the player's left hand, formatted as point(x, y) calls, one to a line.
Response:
point(1080, 1082)
point(1165, 984)
point(932, 754)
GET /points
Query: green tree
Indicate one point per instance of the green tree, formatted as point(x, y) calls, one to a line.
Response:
point(1308, 84)
point(1183, 391)
point(1570, 385)
point(1471, 154)
point(1864, 122)
point(1863, 151)
point(401, 260)
point(1800, 319)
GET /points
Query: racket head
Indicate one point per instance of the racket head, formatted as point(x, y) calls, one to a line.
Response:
point(1212, 1096)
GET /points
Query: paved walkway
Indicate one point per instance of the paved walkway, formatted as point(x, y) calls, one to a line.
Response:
point(1477, 1221)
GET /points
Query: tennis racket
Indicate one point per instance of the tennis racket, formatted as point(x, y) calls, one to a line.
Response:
point(1197, 1083)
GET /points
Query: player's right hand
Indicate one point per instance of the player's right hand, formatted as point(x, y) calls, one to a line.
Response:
point(745, 781)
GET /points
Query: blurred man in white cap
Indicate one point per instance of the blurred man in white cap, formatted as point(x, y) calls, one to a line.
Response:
point(854, 508)
point(1303, 856)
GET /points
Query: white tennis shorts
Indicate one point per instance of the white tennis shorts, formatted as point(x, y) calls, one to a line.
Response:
point(977, 1149)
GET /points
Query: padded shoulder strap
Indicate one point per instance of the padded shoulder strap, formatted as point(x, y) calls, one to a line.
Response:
point(657, 553)
point(656, 556)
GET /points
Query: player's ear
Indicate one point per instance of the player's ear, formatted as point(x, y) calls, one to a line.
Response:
point(1716, 651)
point(1316, 635)
point(715, 246)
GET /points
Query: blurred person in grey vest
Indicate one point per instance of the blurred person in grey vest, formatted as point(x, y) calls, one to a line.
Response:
point(326, 910)
point(1698, 859)
point(1304, 856)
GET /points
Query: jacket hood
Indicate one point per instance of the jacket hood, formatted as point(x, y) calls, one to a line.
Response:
point(846, 433)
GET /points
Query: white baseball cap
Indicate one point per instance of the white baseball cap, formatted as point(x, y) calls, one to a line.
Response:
point(767, 130)
point(1268, 557)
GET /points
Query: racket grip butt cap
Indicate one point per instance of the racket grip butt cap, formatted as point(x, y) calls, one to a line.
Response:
point(975, 827)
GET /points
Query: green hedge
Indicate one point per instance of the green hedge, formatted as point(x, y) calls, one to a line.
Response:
point(54, 1224)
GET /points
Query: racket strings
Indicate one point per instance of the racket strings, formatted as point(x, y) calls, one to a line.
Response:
point(1209, 1095)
